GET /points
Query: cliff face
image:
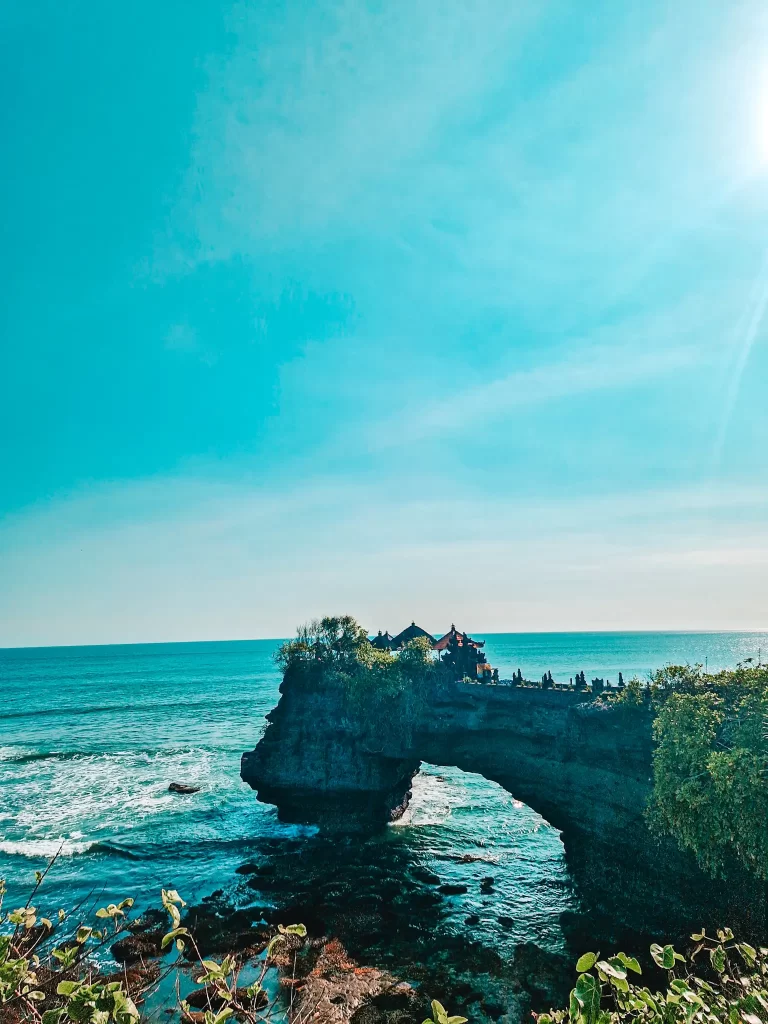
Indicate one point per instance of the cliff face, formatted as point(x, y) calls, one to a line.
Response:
point(348, 760)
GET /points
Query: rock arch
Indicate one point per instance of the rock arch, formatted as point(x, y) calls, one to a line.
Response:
point(586, 767)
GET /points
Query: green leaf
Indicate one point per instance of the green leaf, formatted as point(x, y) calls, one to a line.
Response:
point(585, 963)
point(53, 1016)
point(296, 929)
point(439, 1013)
point(66, 988)
point(170, 936)
point(629, 962)
point(663, 957)
point(587, 995)
point(717, 959)
point(612, 968)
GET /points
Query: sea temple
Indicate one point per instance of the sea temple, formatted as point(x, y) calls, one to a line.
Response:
point(457, 651)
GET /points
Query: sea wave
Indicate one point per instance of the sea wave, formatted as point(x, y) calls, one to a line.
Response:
point(44, 848)
point(49, 848)
point(137, 708)
point(16, 755)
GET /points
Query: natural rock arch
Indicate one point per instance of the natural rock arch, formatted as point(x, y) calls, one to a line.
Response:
point(586, 767)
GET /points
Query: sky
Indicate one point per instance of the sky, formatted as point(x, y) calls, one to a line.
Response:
point(446, 312)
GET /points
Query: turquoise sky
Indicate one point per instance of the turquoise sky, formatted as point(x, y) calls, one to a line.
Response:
point(446, 311)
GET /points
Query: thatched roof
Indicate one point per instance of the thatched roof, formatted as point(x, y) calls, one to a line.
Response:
point(410, 633)
point(382, 642)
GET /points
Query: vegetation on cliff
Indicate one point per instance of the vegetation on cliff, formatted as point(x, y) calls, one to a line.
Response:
point(337, 646)
point(722, 982)
point(711, 765)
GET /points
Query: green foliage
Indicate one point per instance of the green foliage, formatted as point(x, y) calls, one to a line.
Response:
point(337, 641)
point(338, 647)
point(49, 974)
point(711, 765)
point(440, 1015)
point(722, 982)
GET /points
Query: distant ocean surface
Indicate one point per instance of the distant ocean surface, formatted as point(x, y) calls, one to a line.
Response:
point(91, 737)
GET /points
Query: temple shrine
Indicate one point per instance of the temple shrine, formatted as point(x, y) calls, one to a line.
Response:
point(457, 651)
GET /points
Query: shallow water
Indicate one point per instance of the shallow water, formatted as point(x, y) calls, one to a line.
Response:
point(90, 739)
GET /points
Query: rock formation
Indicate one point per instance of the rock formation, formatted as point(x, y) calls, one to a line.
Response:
point(345, 760)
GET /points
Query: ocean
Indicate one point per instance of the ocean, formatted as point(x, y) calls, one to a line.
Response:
point(91, 738)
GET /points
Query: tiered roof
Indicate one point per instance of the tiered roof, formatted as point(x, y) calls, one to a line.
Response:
point(454, 636)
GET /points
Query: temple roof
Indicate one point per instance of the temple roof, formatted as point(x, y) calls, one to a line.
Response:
point(461, 639)
point(410, 633)
point(383, 641)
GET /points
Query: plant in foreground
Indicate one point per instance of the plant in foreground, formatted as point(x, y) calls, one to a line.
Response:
point(50, 971)
point(722, 982)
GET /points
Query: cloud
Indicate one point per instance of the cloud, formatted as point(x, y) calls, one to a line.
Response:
point(181, 558)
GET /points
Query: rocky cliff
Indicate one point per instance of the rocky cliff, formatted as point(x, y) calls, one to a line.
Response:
point(346, 759)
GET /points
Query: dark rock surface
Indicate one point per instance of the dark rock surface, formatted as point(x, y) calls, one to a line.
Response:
point(181, 787)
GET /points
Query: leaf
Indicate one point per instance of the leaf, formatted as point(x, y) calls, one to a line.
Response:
point(612, 968)
point(717, 959)
point(102, 912)
point(66, 988)
point(53, 1016)
point(439, 1013)
point(585, 963)
point(629, 962)
point(295, 929)
point(663, 957)
point(587, 995)
point(170, 936)
point(457, 1020)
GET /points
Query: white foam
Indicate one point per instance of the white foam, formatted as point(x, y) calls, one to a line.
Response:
point(105, 793)
point(431, 802)
point(44, 848)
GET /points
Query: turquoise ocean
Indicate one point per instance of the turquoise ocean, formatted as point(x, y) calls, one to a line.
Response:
point(91, 737)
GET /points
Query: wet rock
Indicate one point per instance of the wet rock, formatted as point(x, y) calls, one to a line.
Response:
point(547, 976)
point(181, 787)
point(472, 919)
point(506, 922)
point(338, 991)
point(422, 874)
point(486, 884)
point(149, 921)
point(453, 889)
point(135, 948)
point(251, 868)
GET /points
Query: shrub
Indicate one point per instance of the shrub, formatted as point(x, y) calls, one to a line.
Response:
point(722, 982)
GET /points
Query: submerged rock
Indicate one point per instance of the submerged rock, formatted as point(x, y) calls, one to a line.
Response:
point(182, 787)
